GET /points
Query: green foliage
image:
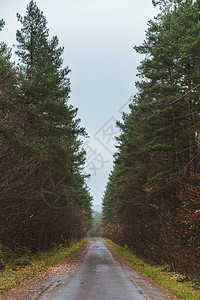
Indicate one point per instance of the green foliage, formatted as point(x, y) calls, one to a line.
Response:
point(178, 284)
point(40, 262)
point(96, 224)
point(158, 148)
point(41, 155)
point(2, 23)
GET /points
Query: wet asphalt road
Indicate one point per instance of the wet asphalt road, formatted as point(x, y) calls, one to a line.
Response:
point(101, 277)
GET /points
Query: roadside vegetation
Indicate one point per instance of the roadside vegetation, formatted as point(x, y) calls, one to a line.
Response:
point(30, 265)
point(96, 228)
point(44, 198)
point(152, 199)
point(184, 287)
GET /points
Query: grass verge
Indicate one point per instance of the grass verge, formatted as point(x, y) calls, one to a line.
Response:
point(39, 262)
point(187, 289)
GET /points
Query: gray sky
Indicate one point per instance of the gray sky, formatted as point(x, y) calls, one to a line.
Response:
point(98, 37)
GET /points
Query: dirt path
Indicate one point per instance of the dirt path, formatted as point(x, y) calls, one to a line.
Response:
point(99, 273)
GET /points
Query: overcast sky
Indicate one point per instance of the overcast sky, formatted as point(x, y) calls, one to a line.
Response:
point(98, 37)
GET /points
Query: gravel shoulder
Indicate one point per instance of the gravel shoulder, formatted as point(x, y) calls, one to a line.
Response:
point(143, 281)
point(48, 280)
point(97, 271)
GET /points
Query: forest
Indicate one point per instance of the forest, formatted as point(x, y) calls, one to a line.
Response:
point(44, 198)
point(151, 202)
point(152, 199)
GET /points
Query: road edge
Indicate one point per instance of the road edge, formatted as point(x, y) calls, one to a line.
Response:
point(27, 283)
point(123, 262)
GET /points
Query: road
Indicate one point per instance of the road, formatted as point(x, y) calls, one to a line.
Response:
point(99, 276)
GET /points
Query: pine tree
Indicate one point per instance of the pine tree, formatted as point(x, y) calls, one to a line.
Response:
point(44, 191)
point(51, 123)
point(158, 149)
point(46, 91)
point(7, 80)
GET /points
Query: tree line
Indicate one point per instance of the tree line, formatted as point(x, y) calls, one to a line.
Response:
point(96, 228)
point(44, 199)
point(152, 198)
